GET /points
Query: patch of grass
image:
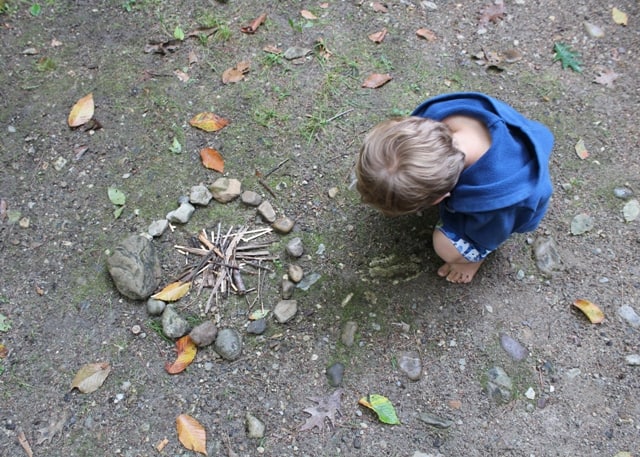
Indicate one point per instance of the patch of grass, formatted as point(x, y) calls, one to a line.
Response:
point(265, 116)
point(155, 325)
point(270, 59)
point(45, 64)
point(210, 21)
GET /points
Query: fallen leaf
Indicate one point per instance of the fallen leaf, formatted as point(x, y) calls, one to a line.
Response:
point(379, 7)
point(24, 443)
point(202, 31)
point(235, 74)
point(193, 58)
point(116, 196)
point(376, 80)
point(326, 409)
point(593, 313)
point(161, 47)
point(82, 111)
point(90, 377)
point(258, 314)
point(426, 34)
point(4, 352)
point(271, 49)
point(606, 77)
point(619, 17)
point(567, 57)
point(212, 159)
point(378, 37)
point(257, 22)
point(191, 433)
point(161, 444)
point(50, 431)
point(308, 15)
point(382, 407)
point(208, 122)
point(492, 13)
point(581, 149)
point(186, 349)
point(174, 291)
point(182, 76)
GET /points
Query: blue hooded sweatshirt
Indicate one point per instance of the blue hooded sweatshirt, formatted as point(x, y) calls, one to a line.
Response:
point(508, 189)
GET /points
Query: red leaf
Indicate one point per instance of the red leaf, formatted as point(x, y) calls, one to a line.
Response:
point(376, 80)
point(251, 28)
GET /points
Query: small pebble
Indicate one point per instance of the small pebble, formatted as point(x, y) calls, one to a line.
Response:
point(182, 214)
point(633, 359)
point(200, 195)
point(333, 192)
point(499, 385)
point(285, 310)
point(267, 212)
point(581, 224)
point(435, 421)
point(335, 374)
point(308, 281)
point(295, 273)
point(410, 364)
point(250, 198)
point(255, 427)
point(283, 225)
point(287, 288)
point(623, 192)
point(629, 314)
point(155, 307)
point(257, 327)
point(225, 189)
point(513, 348)
point(204, 334)
point(530, 393)
point(173, 325)
point(228, 344)
point(349, 333)
point(294, 247)
point(157, 228)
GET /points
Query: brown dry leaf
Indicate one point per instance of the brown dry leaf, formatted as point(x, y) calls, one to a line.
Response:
point(54, 428)
point(327, 408)
point(191, 433)
point(606, 77)
point(202, 31)
point(257, 22)
point(4, 352)
point(90, 377)
point(232, 75)
point(492, 13)
point(379, 7)
point(182, 76)
point(426, 34)
point(82, 111)
point(174, 291)
point(619, 17)
point(193, 57)
point(376, 80)
point(581, 149)
point(208, 122)
point(378, 37)
point(308, 15)
point(212, 159)
point(271, 49)
point(591, 310)
point(511, 55)
point(186, 349)
point(162, 444)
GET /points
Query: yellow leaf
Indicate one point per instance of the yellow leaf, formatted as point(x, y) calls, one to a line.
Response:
point(208, 122)
point(619, 17)
point(591, 310)
point(90, 377)
point(82, 111)
point(174, 291)
point(212, 159)
point(191, 434)
point(186, 349)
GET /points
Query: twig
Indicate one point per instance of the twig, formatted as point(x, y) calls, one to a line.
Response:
point(276, 168)
point(338, 115)
point(267, 188)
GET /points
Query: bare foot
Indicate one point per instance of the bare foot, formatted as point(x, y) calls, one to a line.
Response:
point(459, 272)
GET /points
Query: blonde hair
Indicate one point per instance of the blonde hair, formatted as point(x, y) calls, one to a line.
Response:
point(407, 164)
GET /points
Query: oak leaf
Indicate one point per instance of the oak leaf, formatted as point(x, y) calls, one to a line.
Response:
point(492, 13)
point(191, 433)
point(327, 408)
point(82, 111)
point(173, 292)
point(209, 122)
point(376, 80)
point(90, 377)
point(186, 349)
point(235, 74)
point(212, 159)
point(606, 77)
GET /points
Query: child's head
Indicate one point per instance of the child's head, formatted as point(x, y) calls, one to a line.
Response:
point(407, 164)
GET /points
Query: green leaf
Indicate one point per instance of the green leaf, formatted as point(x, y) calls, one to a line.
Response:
point(118, 211)
point(116, 196)
point(567, 57)
point(176, 147)
point(178, 33)
point(35, 9)
point(382, 407)
point(5, 325)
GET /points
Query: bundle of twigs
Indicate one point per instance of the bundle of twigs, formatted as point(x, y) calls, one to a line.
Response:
point(222, 259)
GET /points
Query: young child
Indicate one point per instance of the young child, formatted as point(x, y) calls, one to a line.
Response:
point(481, 161)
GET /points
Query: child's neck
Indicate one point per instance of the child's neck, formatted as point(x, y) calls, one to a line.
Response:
point(470, 136)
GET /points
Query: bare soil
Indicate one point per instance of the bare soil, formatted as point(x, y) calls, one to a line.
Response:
point(62, 310)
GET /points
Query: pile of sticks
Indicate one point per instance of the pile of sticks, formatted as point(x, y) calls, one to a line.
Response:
point(223, 258)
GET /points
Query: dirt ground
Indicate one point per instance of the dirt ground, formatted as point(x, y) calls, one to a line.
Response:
point(59, 309)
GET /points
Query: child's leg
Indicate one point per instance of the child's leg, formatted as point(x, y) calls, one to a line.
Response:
point(456, 268)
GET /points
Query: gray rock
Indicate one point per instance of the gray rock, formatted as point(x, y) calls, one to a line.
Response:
point(623, 192)
point(183, 199)
point(294, 247)
point(251, 198)
point(228, 344)
point(546, 255)
point(204, 334)
point(225, 189)
point(308, 281)
point(631, 210)
point(173, 325)
point(182, 214)
point(287, 289)
point(134, 267)
point(633, 359)
point(255, 427)
point(285, 310)
point(581, 223)
point(335, 373)
point(499, 386)
point(513, 348)
point(629, 314)
point(267, 212)
point(283, 225)
point(295, 273)
point(349, 333)
point(410, 364)
point(155, 307)
point(435, 421)
point(157, 228)
point(257, 327)
point(200, 195)
point(296, 52)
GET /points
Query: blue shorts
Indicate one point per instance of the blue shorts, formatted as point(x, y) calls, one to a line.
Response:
point(466, 248)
